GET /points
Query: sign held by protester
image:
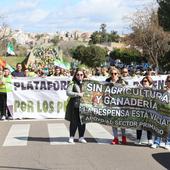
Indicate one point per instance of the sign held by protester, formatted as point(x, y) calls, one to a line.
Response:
point(128, 107)
point(38, 97)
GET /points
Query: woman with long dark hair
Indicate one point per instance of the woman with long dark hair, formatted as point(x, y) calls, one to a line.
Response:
point(74, 91)
point(146, 82)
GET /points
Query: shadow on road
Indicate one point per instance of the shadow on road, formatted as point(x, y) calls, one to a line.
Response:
point(163, 159)
point(44, 139)
point(65, 139)
point(19, 168)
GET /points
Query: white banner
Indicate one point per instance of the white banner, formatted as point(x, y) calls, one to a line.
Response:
point(38, 97)
point(46, 97)
point(158, 81)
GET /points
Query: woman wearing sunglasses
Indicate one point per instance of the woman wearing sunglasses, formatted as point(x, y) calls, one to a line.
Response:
point(157, 141)
point(74, 91)
point(146, 82)
point(115, 78)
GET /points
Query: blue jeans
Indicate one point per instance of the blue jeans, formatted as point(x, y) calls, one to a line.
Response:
point(157, 140)
point(168, 139)
point(115, 132)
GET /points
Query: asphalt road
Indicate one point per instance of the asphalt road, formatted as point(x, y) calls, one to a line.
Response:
point(42, 145)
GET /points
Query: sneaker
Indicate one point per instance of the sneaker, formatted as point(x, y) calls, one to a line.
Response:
point(138, 142)
point(167, 147)
point(82, 140)
point(71, 140)
point(3, 117)
point(115, 141)
point(124, 140)
point(150, 142)
point(9, 118)
point(154, 146)
point(162, 144)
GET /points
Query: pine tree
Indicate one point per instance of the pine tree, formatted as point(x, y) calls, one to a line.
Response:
point(164, 14)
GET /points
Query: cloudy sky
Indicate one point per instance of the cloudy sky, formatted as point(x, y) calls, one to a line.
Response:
point(68, 15)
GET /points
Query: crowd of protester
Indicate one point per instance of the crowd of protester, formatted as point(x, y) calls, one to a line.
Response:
point(112, 75)
point(41, 70)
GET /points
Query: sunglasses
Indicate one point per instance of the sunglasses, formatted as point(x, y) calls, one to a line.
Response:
point(114, 74)
point(79, 74)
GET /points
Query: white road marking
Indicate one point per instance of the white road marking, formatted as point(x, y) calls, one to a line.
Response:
point(100, 134)
point(17, 135)
point(58, 133)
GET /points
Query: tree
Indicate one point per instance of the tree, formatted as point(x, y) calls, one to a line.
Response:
point(113, 36)
point(5, 35)
point(39, 36)
point(5, 32)
point(55, 40)
point(165, 62)
point(148, 36)
point(102, 36)
point(127, 56)
point(95, 38)
point(91, 56)
point(103, 28)
point(78, 53)
point(164, 14)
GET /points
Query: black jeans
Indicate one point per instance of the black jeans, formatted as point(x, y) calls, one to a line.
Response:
point(77, 124)
point(139, 134)
point(4, 111)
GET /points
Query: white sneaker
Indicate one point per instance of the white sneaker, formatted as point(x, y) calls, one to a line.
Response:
point(138, 142)
point(150, 142)
point(10, 118)
point(167, 147)
point(162, 144)
point(82, 140)
point(3, 117)
point(71, 140)
point(154, 146)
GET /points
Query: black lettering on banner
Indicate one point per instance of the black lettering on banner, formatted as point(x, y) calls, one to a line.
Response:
point(43, 85)
point(16, 85)
point(56, 85)
point(63, 85)
point(30, 86)
point(36, 84)
point(23, 87)
point(50, 85)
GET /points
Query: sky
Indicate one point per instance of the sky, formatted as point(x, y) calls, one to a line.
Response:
point(69, 15)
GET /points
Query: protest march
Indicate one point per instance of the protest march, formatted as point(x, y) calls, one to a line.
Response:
point(121, 106)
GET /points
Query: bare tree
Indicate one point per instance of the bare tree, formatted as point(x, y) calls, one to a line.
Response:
point(5, 35)
point(148, 36)
point(5, 31)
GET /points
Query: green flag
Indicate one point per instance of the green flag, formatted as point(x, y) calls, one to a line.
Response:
point(10, 49)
